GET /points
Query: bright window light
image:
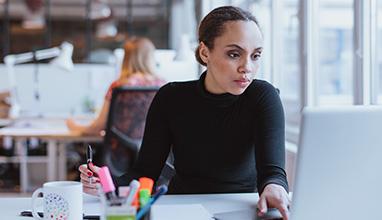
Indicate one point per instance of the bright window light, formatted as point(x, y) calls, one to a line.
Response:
point(290, 72)
point(379, 50)
point(335, 73)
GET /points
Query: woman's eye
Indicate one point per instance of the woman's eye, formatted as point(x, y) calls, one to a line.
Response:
point(233, 55)
point(256, 56)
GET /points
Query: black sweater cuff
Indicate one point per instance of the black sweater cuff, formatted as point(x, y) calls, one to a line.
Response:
point(275, 180)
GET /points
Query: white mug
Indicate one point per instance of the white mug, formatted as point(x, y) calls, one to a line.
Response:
point(62, 200)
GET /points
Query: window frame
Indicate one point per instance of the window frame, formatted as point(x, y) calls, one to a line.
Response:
point(365, 53)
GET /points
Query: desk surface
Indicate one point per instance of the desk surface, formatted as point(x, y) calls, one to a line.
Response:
point(44, 128)
point(54, 132)
point(10, 208)
point(213, 203)
point(5, 122)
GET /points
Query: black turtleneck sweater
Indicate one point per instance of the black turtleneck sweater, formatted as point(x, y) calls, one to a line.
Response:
point(221, 143)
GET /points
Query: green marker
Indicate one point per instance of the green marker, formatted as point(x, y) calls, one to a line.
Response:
point(144, 197)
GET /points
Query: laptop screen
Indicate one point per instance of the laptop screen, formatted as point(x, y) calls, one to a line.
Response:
point(339, 166)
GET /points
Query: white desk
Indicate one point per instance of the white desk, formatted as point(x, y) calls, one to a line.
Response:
point(5, 122)
point(214, 203)
point(10, 208)
point(55, 133)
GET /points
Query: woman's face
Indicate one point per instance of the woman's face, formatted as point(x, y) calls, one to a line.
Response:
point(234, 59)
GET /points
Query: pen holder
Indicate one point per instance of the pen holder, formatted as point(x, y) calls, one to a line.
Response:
point(120, 212)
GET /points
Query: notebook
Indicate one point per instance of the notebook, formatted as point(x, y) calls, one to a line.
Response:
point(176, 212)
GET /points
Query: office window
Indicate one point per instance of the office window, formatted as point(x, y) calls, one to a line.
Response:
point(262, 11)
point(242, 3)
point(289, 64)
point(290, 72)
point(379, 51)
point(218, 3)
point(335, 72)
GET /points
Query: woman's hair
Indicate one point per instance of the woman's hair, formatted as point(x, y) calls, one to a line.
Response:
point(139, 57)
point(212, 25)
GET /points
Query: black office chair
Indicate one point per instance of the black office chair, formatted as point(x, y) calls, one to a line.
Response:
point(125, 127)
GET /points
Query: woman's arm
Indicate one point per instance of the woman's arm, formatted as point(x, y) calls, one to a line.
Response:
point(96, 126)
point(270, 139)
point(270, 154)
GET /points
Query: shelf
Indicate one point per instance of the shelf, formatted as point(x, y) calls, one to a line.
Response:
point(67, 20)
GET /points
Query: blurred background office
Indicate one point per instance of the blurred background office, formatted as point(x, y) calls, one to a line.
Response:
point(317, 52)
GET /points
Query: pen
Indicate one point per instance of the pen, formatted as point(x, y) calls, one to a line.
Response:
point(134, 185)
point(89, 156)
point(161, 190)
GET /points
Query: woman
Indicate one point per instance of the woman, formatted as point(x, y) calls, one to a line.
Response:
point(137, 70)
point(226, 130)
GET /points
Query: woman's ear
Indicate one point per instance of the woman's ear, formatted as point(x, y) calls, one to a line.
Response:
point(203, 52)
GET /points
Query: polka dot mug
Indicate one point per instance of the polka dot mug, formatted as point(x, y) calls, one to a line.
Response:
point(62, 200)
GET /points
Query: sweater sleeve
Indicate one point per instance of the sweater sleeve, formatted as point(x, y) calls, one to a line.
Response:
point(270, 139)
point(156, 141)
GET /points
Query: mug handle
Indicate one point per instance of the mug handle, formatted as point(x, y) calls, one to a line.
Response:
point(35, 195)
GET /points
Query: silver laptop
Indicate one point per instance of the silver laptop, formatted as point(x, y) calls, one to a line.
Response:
point(339, 166)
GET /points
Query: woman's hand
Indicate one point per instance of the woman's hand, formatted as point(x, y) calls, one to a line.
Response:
point(274, 196)
point(71, 124)
point(89, 178)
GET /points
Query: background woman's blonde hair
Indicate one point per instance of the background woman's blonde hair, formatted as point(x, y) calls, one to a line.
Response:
point(139, 57)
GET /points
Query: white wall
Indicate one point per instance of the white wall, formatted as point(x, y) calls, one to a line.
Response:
point(171, 70)
point(64, 93)
point(61, 92)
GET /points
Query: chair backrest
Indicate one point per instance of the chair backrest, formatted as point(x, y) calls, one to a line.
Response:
point(125, 126)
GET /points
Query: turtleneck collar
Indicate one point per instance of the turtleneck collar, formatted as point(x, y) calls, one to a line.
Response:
point(220, 100)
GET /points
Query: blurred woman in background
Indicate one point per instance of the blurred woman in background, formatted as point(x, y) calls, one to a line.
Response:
point(138, 69)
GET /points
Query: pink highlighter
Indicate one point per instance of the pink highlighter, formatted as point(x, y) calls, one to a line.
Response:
point(107, 183)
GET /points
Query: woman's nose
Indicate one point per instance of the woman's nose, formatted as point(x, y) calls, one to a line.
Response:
point(246, 66)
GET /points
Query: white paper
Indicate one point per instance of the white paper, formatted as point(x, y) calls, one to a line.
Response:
point(234, 215)
point(176, 212)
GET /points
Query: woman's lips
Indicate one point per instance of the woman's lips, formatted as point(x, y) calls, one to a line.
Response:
point(242, 82)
